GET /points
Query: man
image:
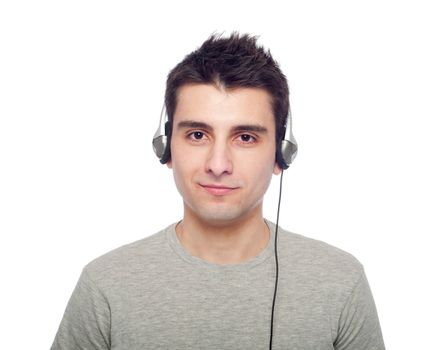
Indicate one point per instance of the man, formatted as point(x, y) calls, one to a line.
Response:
point(207, 282)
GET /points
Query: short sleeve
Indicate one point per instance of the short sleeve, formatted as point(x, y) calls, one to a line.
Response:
point(359, 327)
point(86, 321)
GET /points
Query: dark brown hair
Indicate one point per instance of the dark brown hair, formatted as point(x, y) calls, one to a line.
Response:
point(233, 62)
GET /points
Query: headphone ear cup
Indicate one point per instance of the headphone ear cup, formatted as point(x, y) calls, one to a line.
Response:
point(286, 153)
point(280, 160)
point(167, 152)
point(162, 141)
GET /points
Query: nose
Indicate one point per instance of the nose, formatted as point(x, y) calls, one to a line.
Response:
point(219, 160)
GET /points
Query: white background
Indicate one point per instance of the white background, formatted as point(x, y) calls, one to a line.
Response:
point(81, 89)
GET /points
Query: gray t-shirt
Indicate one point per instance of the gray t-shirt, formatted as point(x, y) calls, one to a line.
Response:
point(152, 294)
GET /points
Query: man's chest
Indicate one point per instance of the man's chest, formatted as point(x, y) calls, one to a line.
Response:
point(228, 312)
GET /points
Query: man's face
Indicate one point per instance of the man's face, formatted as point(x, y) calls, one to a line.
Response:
point(222, 151)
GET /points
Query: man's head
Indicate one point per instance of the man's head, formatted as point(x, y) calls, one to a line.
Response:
point(231, 63)
point(227, 106)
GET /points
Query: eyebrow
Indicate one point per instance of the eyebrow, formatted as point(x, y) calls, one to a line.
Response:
point(238, 128)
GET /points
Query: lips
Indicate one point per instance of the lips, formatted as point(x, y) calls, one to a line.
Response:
point(218, 190)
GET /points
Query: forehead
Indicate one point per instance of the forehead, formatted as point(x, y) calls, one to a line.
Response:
point(211, 104)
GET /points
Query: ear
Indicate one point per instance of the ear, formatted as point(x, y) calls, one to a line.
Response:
point(169, 164)
point(277, 169)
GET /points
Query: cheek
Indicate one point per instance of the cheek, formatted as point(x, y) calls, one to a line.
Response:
point(184, 166)
point(259, 171)
point(180, 177)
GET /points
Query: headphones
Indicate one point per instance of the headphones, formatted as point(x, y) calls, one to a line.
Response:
point(285, 153)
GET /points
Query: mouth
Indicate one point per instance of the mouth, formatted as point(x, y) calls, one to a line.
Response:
point(218, 190)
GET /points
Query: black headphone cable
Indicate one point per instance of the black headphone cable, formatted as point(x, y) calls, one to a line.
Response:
point(276, 261)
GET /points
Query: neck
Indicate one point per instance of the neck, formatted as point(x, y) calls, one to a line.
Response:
point(224, 243)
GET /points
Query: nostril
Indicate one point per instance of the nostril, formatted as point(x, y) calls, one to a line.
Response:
point(219, 161)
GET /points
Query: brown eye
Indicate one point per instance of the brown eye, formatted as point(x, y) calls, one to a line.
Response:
point(247, 138)
point(197, 135)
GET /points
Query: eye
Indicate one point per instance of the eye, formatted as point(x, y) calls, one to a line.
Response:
point(196, 135)
point(247, 138)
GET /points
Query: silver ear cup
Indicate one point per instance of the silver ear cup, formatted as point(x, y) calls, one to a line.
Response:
point(289, 146)
point(159, 145)
point(289, 151)
point(160, 139)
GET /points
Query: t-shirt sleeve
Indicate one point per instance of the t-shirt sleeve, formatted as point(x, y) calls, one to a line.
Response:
point(358, 326)
point(86, 321)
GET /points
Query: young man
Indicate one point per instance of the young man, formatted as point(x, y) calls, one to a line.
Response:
point(207, 282)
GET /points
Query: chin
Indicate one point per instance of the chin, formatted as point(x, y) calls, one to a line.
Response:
point(218, 216)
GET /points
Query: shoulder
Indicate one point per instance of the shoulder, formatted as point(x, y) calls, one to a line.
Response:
point(314, 250)
point(129, 259)
point(319, 261)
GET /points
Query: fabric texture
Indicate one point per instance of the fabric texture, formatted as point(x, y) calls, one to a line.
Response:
point(153, 294)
